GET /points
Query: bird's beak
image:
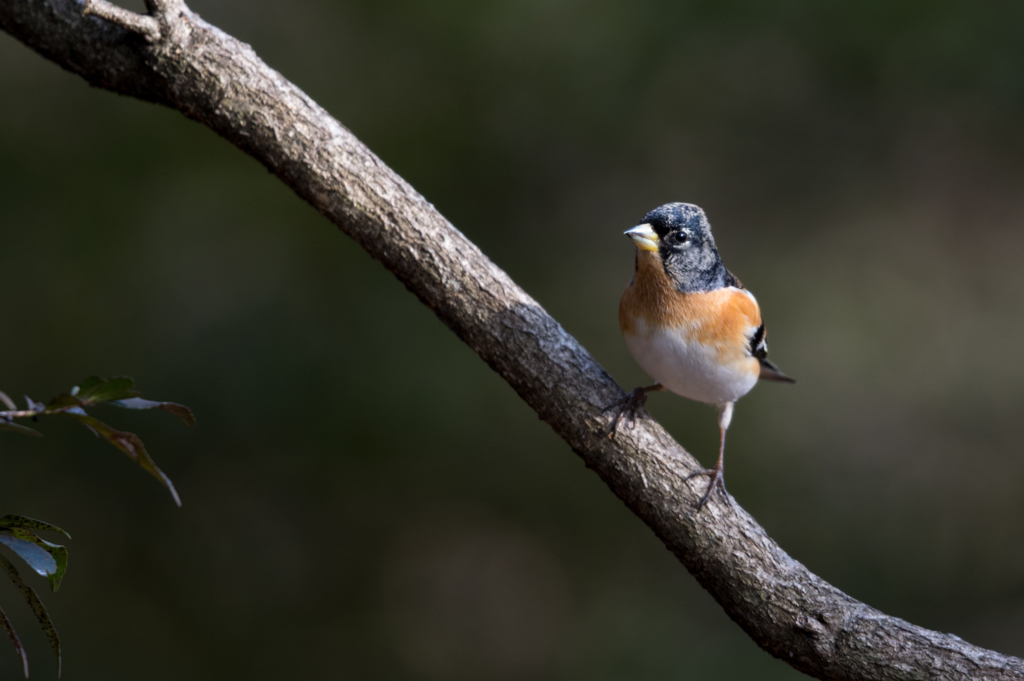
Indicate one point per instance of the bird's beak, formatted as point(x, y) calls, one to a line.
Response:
point(646, 238)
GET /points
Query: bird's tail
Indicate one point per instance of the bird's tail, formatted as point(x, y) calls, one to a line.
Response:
point(770, 372)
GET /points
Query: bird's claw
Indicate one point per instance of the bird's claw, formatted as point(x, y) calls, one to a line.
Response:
point(717, 475)
point(628, 406)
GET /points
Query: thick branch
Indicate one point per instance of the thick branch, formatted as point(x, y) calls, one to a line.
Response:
point(211, 77)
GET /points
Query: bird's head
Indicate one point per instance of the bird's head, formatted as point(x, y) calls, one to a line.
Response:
point(680, 235)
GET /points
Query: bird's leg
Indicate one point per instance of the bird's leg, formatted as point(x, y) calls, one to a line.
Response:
point(717, 474)
point(629, 406)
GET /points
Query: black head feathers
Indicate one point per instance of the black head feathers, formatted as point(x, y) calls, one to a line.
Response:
point(687, 249)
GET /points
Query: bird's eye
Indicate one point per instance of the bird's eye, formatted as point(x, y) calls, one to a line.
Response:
point(680, 237)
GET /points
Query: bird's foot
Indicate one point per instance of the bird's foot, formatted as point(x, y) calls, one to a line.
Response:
point(625, 407)
point(717, 475)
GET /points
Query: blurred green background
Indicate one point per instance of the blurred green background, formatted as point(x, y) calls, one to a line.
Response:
point(363, 497)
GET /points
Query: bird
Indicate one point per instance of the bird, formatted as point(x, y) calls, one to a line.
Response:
point(690, 324)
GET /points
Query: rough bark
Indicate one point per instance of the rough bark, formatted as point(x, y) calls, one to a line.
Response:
point(174, 58)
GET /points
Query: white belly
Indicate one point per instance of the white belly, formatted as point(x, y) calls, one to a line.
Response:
point(691, 369)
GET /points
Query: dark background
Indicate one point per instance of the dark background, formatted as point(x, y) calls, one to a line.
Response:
point(363, 497)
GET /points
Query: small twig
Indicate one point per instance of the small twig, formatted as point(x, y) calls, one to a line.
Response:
point(164, 7)
point(31, 413)
point(136, 23)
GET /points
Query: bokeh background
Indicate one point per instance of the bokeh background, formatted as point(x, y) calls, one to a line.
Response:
point(363, 498)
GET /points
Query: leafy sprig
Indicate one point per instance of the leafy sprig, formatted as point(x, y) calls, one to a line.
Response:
point(19, 534)
point(94, 390)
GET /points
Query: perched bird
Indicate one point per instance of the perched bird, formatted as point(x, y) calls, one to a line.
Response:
point(690, 324)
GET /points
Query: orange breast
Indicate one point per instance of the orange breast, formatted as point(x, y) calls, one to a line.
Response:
point(723, 319)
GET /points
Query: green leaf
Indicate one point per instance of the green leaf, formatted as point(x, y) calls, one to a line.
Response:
point(37, 607)
point(49, 560)
point(88, 385)
point(9, 628)
point(18, 428)
point(18, 529)
point(64, 400)
point(129, 443)
point(38, 558)
point(179, 410)
point(118, 388)
point(30, 524)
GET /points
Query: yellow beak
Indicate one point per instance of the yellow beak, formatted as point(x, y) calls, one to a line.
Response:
point(646, 238)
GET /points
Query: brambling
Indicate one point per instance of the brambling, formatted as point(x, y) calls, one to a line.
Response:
point(690, 324)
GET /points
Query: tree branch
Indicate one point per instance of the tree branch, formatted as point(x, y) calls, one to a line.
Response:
point(174, 58)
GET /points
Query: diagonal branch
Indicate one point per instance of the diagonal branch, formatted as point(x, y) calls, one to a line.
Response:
point(217, 80)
